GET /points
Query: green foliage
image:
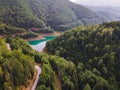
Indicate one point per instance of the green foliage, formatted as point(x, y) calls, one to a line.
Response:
point(65, 16)
point(87, 87)
point(86, 15)
point(47, 77)
point(18, 13)
point(66, 71)
point(102, 86)
point(10, 30)
point(40, 14)
point(15, 67)
point(28, 35)
point(95, 51)
point(17, 43)
point(42, 87)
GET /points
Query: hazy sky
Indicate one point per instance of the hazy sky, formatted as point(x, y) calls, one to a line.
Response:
point(113, 3)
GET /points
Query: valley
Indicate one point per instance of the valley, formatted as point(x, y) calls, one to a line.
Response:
point(59, 45)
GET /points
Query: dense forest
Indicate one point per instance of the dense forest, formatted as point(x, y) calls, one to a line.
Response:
point(29, 18)
point(17, 13)
point(95, 53)
point(85, 58)
point(53, 66)
point(45, 13)
point(15, 67)
point(12, 31)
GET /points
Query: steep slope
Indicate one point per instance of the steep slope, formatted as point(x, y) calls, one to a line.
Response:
point(95, 52)
point(18, 13)
point(87, 16)
point(16, 68)
point(63, 14)
point(58, 14)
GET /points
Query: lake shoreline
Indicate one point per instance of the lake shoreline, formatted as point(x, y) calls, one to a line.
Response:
point(40, 44)
point(41, 36)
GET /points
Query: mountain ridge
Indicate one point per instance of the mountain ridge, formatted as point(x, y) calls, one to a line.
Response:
point(43, 13)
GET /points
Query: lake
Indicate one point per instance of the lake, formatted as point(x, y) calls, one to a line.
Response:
point(40, 44)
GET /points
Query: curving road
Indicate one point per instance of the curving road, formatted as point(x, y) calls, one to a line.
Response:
point(38, 68)
point(37, 77)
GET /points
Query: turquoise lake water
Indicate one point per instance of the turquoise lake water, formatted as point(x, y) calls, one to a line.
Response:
point(46, 38)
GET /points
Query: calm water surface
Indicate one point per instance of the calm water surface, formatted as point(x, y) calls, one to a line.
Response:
point(40, 44)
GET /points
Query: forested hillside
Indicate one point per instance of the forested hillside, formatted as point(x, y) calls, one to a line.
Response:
point(16, 68)
point(64, 16)
point(95, 52)
point(58, 14)
point(90, 60)
point(12, 31)
point(18, 13)
point(83, 58)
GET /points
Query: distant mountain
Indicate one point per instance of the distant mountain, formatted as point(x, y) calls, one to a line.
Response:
point(115, 10)
point(86, 15)
point(58, 14)
point(111, 13)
